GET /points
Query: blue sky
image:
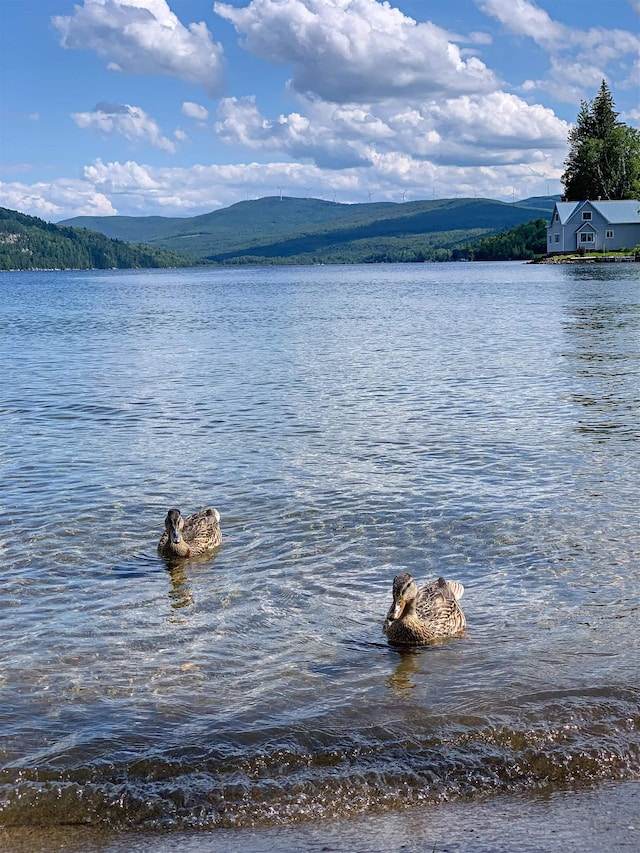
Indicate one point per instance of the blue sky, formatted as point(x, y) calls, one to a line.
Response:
point(178, 107)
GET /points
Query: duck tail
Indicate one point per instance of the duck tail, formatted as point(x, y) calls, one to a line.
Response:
point(456, 588)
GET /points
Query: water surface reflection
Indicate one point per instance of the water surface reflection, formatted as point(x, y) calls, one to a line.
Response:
point(478, 421)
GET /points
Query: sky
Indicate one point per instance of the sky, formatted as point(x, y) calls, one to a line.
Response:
point(180, 107)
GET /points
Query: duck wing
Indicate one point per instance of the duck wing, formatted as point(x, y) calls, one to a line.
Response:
point(202, 529)
point(438, 600)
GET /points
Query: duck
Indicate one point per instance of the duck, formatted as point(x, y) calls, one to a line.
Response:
point(419, 616)
point(191, 536)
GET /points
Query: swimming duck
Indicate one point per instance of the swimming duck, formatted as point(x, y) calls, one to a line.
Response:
point(420, 616)
point(191, 536)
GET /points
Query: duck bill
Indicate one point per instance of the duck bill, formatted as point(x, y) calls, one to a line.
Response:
point(398, 609)
point(174, 535)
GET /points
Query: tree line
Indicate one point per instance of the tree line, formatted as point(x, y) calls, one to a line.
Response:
point(27, 242)
point(522, 243)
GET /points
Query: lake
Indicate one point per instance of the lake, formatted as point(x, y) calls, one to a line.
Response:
point(476, 421)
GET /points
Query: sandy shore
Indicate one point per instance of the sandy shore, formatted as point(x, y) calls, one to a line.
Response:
point(593, 821)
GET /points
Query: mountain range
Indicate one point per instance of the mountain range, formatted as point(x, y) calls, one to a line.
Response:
point(282, 229)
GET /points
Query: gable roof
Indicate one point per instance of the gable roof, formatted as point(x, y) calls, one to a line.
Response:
point(614, 212)
point(618, 212)
point(564, 210)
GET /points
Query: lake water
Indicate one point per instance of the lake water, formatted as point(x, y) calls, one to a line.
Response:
point(477, 421)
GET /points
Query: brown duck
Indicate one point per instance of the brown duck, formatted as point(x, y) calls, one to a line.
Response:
point(191, 536)
point(420, 616)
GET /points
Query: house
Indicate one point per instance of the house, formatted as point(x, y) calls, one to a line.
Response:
point(594, 226)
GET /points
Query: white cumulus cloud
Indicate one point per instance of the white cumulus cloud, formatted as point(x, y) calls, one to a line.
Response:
point(355, 50)
point(55, 200)
point(499, 121)
point(188, 190)
point(578, 59)
point(195, 111)
point(295, 135)
point(471, 129)
point(144, 37)
point(132, 188)
point(524, 18)
point(131, 122)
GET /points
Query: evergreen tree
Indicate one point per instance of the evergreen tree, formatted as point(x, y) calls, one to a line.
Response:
point(604, 153)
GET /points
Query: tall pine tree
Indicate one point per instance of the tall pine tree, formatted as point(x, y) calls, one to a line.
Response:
point(604, 153)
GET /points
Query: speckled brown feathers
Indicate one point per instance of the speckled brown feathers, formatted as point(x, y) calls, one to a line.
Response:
point(192, 536)
point(421, 616)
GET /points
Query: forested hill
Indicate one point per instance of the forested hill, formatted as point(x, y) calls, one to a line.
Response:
point(310, 230)
point(27, 242)
point(276, 231)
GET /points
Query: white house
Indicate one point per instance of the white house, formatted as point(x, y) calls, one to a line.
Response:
point(594, 226)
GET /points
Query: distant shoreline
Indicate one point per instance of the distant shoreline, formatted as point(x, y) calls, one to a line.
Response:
point(587, 259)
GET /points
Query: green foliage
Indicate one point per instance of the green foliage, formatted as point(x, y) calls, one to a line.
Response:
point(297, 230)
point(389, 250)
point(604, 155)
point(274, 231)
point(523, 243)
point(27, 242)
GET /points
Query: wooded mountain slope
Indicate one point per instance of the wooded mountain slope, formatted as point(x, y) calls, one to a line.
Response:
point(297, 230)
point(27, 242)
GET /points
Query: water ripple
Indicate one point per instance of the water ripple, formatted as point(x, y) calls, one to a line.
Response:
point(477, 421)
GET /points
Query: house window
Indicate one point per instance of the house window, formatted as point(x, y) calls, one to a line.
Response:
point(556, 218)
point(586, 237)
point(609, 235)
point(557, 238)
point(586, 215)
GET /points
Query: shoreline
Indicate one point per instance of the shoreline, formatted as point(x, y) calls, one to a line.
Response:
point(587, 259)
point(584, 821)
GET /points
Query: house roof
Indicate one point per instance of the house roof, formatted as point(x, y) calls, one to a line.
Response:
point(615, 212)
point(618, 212)
point(565, 209)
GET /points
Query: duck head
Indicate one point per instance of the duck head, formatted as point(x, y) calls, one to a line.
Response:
point(173, 524)
point(404, 596)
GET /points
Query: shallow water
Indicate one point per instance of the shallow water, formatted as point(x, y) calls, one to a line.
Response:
point(479, 421)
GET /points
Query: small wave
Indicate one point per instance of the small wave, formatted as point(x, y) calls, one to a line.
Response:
point(566, 740)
